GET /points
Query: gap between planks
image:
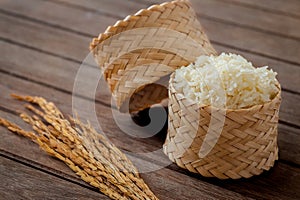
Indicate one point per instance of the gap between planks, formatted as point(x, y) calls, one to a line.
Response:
point(24, 181)
point(15, 14)
point(45, 169)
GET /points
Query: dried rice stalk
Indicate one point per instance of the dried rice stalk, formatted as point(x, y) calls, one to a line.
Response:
point(88, 153)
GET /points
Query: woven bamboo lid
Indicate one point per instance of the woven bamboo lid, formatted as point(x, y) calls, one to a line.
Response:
point(141, 49)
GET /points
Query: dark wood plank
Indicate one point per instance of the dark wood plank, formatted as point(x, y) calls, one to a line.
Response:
point(289, 106)
point(271, 46)
point(287, 7)
point(45, 38)
point(248, 17)
point(213, 9)
point(61, 99)
point(289, 143)
point(47, 69)
point(260, 43)
point(56, 15)
point(105, 6)
point(279, 178)
point(19, 181)
point(271, 23)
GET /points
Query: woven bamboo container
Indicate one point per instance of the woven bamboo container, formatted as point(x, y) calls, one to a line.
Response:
point(138, 51)
point(246, 146)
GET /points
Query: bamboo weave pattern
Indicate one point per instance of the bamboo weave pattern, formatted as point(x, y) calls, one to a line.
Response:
point(247, 145)
point(132, 42)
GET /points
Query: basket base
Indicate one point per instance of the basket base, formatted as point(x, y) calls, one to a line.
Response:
point(210, 168)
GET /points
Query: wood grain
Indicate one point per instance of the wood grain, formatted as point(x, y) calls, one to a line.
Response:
point(250, 18)
point(45, 38)
point(19, 181)
point(289, 143)
point(289, 7)
point(56, 15)
point(228, 11)
point(278, 178)
point(105, 7)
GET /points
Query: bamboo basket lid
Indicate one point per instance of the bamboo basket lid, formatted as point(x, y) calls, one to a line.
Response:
point(138, 51)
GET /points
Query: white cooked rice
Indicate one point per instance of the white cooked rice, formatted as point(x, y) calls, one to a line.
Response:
point(243, 84)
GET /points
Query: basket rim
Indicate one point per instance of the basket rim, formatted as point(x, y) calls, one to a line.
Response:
point(254, 107)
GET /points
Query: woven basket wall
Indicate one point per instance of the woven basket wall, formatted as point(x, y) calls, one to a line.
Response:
point(247, 145)
point(116, 53)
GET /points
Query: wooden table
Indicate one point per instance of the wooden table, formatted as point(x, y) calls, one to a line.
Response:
point(43, 43)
